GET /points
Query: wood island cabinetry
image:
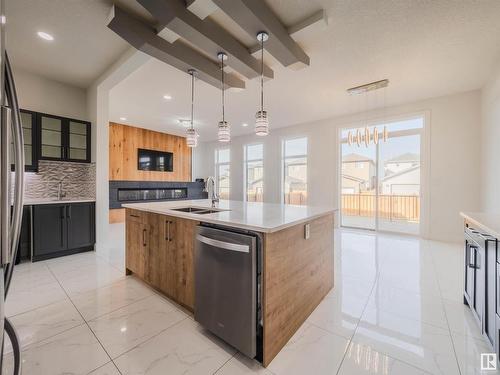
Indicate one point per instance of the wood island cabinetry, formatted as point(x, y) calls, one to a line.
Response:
point(160, 251)
point(297, 260)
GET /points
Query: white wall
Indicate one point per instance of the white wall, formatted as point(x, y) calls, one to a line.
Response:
point(453, 174)
point(41, 94)
point(490, 145)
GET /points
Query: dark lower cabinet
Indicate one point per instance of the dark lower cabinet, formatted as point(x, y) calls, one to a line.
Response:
point(62, 229)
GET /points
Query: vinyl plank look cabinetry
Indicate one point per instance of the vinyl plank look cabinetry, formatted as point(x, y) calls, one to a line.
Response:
point(160, 251)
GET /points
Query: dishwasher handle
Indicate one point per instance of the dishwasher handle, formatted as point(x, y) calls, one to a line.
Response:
point(223, 245)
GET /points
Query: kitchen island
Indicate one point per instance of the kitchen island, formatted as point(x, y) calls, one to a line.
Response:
point(296, 256)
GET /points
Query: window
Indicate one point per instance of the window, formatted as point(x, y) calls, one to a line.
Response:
point(222, 167)
point(295, 171)
point(254, 172)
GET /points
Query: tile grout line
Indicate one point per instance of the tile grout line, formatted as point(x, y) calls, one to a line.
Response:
point(85, 321)
point(357, 324)
point(446, 315)
point(376, 280)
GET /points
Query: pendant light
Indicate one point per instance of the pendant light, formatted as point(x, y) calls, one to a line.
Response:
point(191, 134)
point(224, 133)
point(261, 119)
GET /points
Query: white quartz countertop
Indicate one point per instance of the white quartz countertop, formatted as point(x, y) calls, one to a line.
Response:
point(487, 222)
point(260, 217)
point(37, 201)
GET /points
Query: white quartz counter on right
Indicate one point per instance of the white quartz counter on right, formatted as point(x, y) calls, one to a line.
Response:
point(487, 222)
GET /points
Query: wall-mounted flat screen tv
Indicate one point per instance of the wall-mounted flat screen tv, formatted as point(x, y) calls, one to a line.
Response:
point(152, 160)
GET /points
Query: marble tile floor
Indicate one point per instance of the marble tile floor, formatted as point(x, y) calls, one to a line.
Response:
point(396, 309)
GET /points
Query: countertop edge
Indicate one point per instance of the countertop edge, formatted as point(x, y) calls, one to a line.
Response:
point(205, 219)
point(470, 217)
point(66, 201)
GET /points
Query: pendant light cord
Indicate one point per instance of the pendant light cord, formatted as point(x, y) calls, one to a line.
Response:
point(262, 74)
point(192, 99)
point(222, 81)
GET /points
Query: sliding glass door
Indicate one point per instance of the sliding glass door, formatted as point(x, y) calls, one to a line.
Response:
point(380, 183)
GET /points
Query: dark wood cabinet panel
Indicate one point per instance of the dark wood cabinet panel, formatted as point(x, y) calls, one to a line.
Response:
point(63, 139)
point(49, 229)
point(81, 225)
point(62, 229)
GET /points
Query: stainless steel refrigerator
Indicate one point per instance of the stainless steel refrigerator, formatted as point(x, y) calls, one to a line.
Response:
point(11, 189)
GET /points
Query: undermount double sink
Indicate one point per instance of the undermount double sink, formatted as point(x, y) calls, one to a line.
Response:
point(198, 210)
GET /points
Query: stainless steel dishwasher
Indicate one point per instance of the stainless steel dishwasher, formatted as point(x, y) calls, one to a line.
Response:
point(226, 286)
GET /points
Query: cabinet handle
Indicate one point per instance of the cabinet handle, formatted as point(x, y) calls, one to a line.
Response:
point(132, 215)
point(63, 212)
point(144, 237)
point(69, 211)
point(471, 256)
point(169, 238)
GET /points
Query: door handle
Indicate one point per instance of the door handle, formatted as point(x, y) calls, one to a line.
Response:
point(144, 237)
point(223, 245)
point(5, 186)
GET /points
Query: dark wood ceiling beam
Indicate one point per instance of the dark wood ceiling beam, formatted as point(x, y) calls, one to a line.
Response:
point(254, 16)
point(178, 54)
point(205, 34)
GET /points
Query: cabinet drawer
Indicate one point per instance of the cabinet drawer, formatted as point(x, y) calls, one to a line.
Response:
point(136, 216)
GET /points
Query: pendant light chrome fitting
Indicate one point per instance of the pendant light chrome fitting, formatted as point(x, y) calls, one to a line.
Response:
point(261, 119)
point(224, 131)
point(191, 133)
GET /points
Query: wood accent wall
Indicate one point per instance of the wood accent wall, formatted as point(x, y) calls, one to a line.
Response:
point(298, 274)
point(124, 141)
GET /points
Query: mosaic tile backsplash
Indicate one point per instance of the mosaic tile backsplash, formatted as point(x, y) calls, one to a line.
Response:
point(78, 180)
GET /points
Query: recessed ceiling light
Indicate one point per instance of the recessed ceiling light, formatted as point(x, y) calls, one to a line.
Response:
point(244, 124)
point(123, 118)
point(185, 123)
point(167, 97)
point(45, 35)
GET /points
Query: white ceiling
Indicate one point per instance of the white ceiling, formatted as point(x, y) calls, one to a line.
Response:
point(425, 48)
point(83, 46)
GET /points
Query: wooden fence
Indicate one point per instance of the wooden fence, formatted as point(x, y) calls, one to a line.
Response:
point(391, 207)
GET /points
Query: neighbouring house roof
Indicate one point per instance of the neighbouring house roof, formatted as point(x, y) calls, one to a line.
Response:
point(356, 158)
point(405, 158)
point(404, 171)
point(357, 179)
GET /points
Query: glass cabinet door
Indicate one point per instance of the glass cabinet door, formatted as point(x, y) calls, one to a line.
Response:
point(27, 121)
point(51, 137)
point(78, 136)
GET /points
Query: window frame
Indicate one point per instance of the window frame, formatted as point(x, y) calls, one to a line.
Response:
point(283, 159)
point(218, 164)
point(245, 168)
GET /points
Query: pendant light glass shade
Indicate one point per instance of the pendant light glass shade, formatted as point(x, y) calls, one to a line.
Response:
point(261, 119)
point(224, 133)
point(191, 137)
point(261, 123)
point(191, 133)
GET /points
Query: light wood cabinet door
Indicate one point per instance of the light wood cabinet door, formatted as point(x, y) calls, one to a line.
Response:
point(182, 244)
point(137, 247)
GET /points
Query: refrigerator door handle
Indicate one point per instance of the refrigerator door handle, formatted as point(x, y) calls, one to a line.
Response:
point(5, 185)
point(17, 137)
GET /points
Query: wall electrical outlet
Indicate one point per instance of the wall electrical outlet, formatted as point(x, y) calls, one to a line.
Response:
point(307, 231)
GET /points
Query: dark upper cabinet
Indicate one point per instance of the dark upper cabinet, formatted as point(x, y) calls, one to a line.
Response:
point(28, 121)
point(63, 139)
point(62, 229)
